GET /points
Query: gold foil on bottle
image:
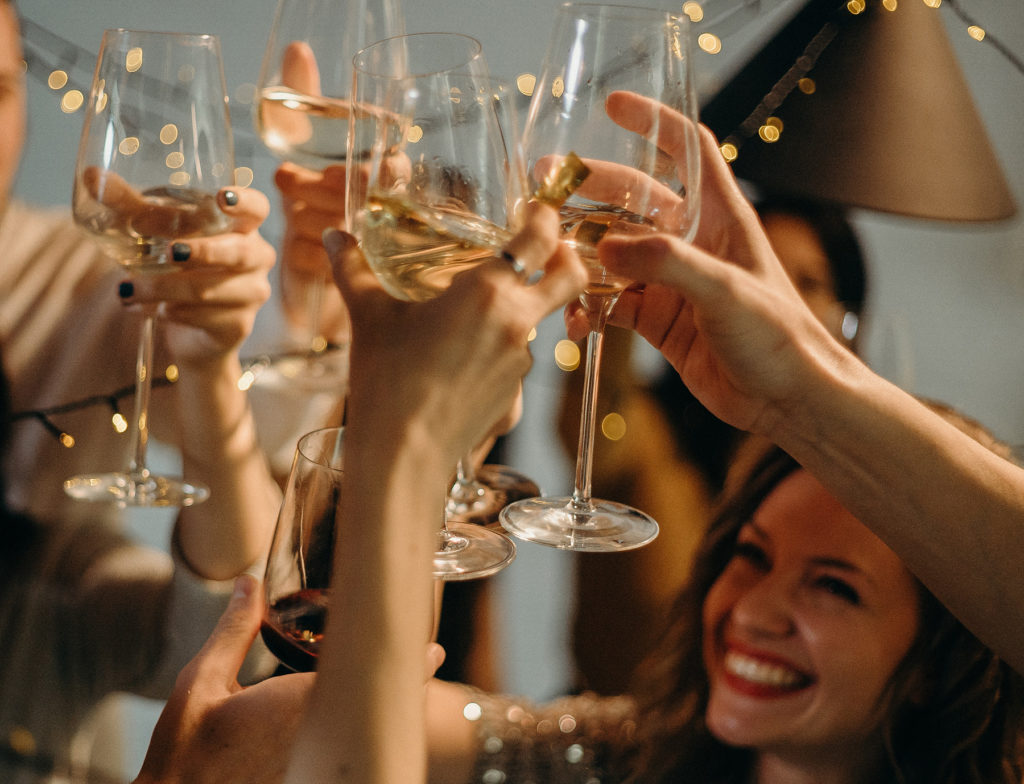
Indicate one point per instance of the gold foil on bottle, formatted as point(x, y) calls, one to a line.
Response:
point(560, 184)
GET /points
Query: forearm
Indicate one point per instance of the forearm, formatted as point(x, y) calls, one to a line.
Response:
point(951, 508)
point(391, 505)
point(230, 530)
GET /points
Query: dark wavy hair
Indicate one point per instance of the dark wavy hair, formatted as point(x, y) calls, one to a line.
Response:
point(951, 713)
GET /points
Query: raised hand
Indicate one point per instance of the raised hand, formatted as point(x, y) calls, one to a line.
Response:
point(722, 309)
point(211, 729)
point(473, 335)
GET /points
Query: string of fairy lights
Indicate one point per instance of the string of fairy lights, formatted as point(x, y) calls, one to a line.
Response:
point(65, 68)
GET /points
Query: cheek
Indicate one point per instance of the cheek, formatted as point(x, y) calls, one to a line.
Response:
point(713, 613)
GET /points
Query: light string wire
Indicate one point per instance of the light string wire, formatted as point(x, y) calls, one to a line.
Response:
point(252, 368)
point(805, 62)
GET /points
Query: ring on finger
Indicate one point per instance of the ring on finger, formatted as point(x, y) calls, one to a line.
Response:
point(515, 264)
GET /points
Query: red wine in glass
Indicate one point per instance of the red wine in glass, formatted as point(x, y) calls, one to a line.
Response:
point(294, 626)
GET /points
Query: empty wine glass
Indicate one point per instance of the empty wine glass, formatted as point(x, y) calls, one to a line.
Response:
point(439, 192)
point(302, 117)
point(597, 54)
point(297, 579)
point(156, 147)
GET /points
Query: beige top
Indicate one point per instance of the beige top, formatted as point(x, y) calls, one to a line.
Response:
point(83, 612)
point(64, 337)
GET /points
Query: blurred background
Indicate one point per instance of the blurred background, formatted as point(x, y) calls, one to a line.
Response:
point(946, 301)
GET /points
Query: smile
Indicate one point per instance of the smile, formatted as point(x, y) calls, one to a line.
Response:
point(760, 677)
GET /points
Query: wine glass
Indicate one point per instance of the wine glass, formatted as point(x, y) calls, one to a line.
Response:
point(598, 52)
point(156, 147)
point(478, 495)
point(298, 575)
point(439, 191)
point(302, 117)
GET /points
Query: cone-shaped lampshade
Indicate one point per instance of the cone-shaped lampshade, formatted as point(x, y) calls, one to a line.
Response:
point(883, 119)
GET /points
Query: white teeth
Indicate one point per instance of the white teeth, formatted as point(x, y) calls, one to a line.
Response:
point(760, 672)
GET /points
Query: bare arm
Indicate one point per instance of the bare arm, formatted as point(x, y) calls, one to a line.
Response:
point(428, 380)
point(724, 314)
point(211, 300)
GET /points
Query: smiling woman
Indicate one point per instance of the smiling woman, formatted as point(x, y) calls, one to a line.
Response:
point(804, 628)
point(803, 646)
point(802, 650)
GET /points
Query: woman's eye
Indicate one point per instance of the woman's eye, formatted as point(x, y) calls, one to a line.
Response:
point(840, 588)
point(752, 553)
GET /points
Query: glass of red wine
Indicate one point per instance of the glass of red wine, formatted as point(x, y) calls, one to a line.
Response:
point(298, 574)
point(156, 147)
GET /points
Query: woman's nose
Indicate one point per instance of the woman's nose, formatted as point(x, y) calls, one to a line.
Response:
point(765, 607)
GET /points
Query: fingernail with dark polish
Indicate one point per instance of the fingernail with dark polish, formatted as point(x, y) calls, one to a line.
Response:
point(230, 198)
point(126, 289)
point(180, 251)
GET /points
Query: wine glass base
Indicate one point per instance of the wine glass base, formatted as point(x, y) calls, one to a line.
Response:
point(500, 486)
point(604, 526)
point(135, 490)
point(325, 371)
point(471, 551)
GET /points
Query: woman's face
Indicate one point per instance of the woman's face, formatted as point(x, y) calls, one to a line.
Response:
point(806, 262)
point(804, 628)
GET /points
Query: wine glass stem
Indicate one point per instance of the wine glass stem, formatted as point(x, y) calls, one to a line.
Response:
point(139, 433)
point(466, 489)
point(582, 493)
point(314, 306)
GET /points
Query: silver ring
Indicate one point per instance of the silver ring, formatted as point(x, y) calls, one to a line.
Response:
point(517, 266)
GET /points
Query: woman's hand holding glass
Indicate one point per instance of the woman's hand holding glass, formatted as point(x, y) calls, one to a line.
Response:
point(728, 327)
point(220, 282)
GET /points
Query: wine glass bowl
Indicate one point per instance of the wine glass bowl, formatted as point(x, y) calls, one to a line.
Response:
point(297, 578)
point(306, 75)
point(442, 188)
point(610, 76)
point(156, 147)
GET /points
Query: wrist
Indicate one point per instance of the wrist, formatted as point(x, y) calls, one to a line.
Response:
point(830, 390)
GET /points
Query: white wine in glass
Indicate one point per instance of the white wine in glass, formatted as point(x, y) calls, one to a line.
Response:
point(611, 76)
point(156, 147)
point(302, 116)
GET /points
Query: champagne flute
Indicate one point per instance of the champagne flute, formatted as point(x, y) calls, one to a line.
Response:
point(302, 117)
point(156, 147)
point(297, 578)
point(598, 52)
point(438, 193)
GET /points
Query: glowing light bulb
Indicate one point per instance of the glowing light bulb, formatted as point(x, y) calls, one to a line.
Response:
point(613, 426)
point(567, 355)
point(525, 83)
point(710, 43)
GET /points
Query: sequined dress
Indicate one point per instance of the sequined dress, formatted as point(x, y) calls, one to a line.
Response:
point(584, 739)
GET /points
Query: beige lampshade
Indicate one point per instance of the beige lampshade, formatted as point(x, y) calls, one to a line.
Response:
point(866, 110)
